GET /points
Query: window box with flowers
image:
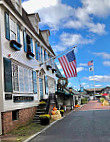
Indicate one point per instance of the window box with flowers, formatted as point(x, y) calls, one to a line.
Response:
point(45, 119)
point(48, 67)
point(15, 45)
point(53, 70)
point(30, 55)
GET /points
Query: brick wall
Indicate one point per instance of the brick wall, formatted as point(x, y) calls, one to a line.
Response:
point(25, 115)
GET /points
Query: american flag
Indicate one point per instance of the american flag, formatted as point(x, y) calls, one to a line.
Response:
point(68, 63)
point(90, 63)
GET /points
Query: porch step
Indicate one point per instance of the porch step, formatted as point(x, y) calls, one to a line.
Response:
point(40, 112)
point(36, 121)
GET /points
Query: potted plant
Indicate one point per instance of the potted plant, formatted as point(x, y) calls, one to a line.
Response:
point(45, 119)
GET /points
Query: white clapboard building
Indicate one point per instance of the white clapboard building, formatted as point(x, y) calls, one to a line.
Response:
point(23, 80)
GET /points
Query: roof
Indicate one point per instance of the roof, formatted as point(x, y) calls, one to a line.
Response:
point(92, 89)
point(26, 20)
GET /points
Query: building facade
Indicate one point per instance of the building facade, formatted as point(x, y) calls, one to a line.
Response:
point(25, 76)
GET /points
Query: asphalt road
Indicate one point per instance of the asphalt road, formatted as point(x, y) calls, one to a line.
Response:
point(80, 126)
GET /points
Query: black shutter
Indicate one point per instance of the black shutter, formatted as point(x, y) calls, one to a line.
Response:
point(7, 75)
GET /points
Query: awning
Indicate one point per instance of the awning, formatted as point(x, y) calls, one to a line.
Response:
point(59, 92)
point(105, 94)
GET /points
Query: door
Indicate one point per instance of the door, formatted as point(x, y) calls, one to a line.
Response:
point(41, 87)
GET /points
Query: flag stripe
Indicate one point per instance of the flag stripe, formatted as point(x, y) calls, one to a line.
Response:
point(68, 65)
point(74, 62)
point(62, 66)
point(74, 66)
point(68, 75)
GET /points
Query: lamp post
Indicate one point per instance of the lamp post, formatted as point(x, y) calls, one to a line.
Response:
point(70, 90)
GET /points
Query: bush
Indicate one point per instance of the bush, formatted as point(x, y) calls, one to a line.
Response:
point(102, 100)
point(84, 101)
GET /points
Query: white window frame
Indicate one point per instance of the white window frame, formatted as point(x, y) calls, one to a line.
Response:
point(30, 91)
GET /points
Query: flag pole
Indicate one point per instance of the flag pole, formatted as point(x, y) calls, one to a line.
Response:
point(94, 78)
point(57, 55)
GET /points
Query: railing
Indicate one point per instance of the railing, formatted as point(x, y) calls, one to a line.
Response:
point(51, 98)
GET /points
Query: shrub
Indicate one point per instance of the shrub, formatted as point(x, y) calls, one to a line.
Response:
point(102, 100)
point(84, 101)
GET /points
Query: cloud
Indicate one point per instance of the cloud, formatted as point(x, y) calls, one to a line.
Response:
point(57, 15)
point(98, 78)
point(98, 85)
point(99, 8)
point(83, 64)
point(34, 5)
point(68, 39)
point(79, 69)
point(97, 28)
point(106, 63)
point(104, 55)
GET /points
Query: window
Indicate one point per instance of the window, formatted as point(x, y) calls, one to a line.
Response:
point(12, 30)
point(18, 33)
point(15, 77)
point(49, 57)
point(45, 55)
point(28, 42)
point(7, 27)
point(34, 82)
point(18, 5)
point(22, 79)
point(15, 115)
point(41, 55)
point(38, 53)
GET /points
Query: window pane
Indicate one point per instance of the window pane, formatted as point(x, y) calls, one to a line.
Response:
point(26, 75)
point(12, 36)
point(34, 82)
point(21, 79)
point(30, 81)
point(18, 33)
point(7, 28)
point(15, 77)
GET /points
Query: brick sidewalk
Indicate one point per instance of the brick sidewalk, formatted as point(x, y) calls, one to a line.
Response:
point(93, 105)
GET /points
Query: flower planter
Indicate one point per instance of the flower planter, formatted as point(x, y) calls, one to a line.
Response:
point(48, 67)
point(53, 70)
point(61, 113)
point(30, 55)
point(15, 45)
point(45, 121)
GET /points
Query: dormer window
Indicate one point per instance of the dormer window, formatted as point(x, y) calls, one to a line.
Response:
point(17, 4)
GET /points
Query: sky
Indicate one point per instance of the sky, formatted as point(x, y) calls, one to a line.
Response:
point(81, 23)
